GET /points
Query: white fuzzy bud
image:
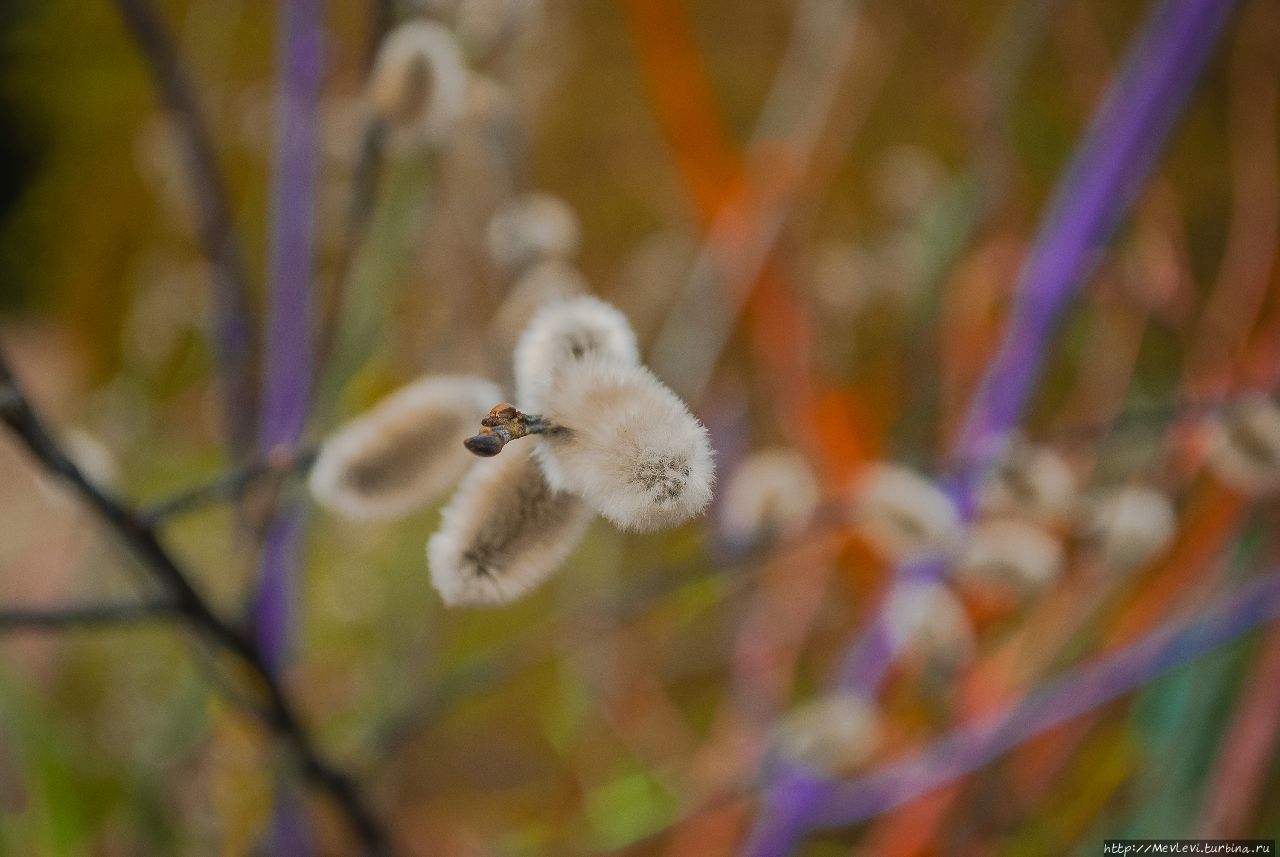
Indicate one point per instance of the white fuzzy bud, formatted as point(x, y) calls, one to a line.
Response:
point(565, 333)
point(1244, 446)
point(1010, 554)
point(1131, 525)
point(773, 492)
point(626, 444)
point(532, 227)
point(928, 619)
point(418, 84)
point(902, 513)
point(1032, 482)
point(504, 532)
point(834, 734)
point(403, 453)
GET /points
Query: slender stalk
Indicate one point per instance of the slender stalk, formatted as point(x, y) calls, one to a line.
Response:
point(143, 542)
point(88, 616)
point(289, 371)
point(233, 326)
point(233, 484)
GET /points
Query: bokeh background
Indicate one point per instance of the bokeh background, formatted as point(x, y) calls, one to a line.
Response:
point(849, 246)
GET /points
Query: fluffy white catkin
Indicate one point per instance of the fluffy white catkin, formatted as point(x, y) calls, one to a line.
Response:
point(1031, 482)
point(403, 453)
point(902, 513)
point(418, 84)
point(833, 734)
point(1244, 446)
point(773, 492)
point(504, 532)
point(566, 332)
point(1131, 525)
point(532, 227)
point(928, 619)
point(1007, 553)
point(626, 444)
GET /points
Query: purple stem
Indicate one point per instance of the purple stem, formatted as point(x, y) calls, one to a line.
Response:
point(288, 369)
point(287, 381)
point(965, 750)
point(287, 385)
point(1100, 186)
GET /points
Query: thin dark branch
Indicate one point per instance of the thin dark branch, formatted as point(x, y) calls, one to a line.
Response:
point(232, 485)
point(142, 540)
point(235, 332)
point(82, 616)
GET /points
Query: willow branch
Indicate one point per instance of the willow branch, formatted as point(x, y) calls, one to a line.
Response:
point(232, 485)
point(82, 616)
point(140, 538)
point(234, 329)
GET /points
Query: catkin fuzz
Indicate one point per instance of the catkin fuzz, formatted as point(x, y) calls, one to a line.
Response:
point(564, 333)
point(530, 228)
point(834, 734)
point(902, 513)
point(774, 492)
point(626, 444)
point(418, 85)
point(504, 532)
point(405, 452)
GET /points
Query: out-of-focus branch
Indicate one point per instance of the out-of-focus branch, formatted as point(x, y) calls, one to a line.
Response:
point(82, 617)
point(234, 331)
point(142, 540)
point(233, 484)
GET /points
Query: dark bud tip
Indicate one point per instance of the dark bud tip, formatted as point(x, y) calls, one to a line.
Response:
point(485, 445)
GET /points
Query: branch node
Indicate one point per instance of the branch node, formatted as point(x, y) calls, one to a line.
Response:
point(503, 424)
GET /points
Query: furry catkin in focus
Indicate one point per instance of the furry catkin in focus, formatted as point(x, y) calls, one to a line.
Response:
point(504, 532)
point(405, 452)
point(564, 333)
point(626, 444)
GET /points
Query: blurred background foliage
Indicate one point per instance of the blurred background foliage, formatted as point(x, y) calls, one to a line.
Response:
point(572, 721)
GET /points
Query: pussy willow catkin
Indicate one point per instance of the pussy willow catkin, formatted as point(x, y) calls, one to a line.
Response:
point(403, 453)
point(504, 532)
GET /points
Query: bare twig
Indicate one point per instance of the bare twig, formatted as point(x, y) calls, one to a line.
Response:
point(503, 424)
point(234, 326)
point(142, 540)
point(82, 616)
point(232, 485)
